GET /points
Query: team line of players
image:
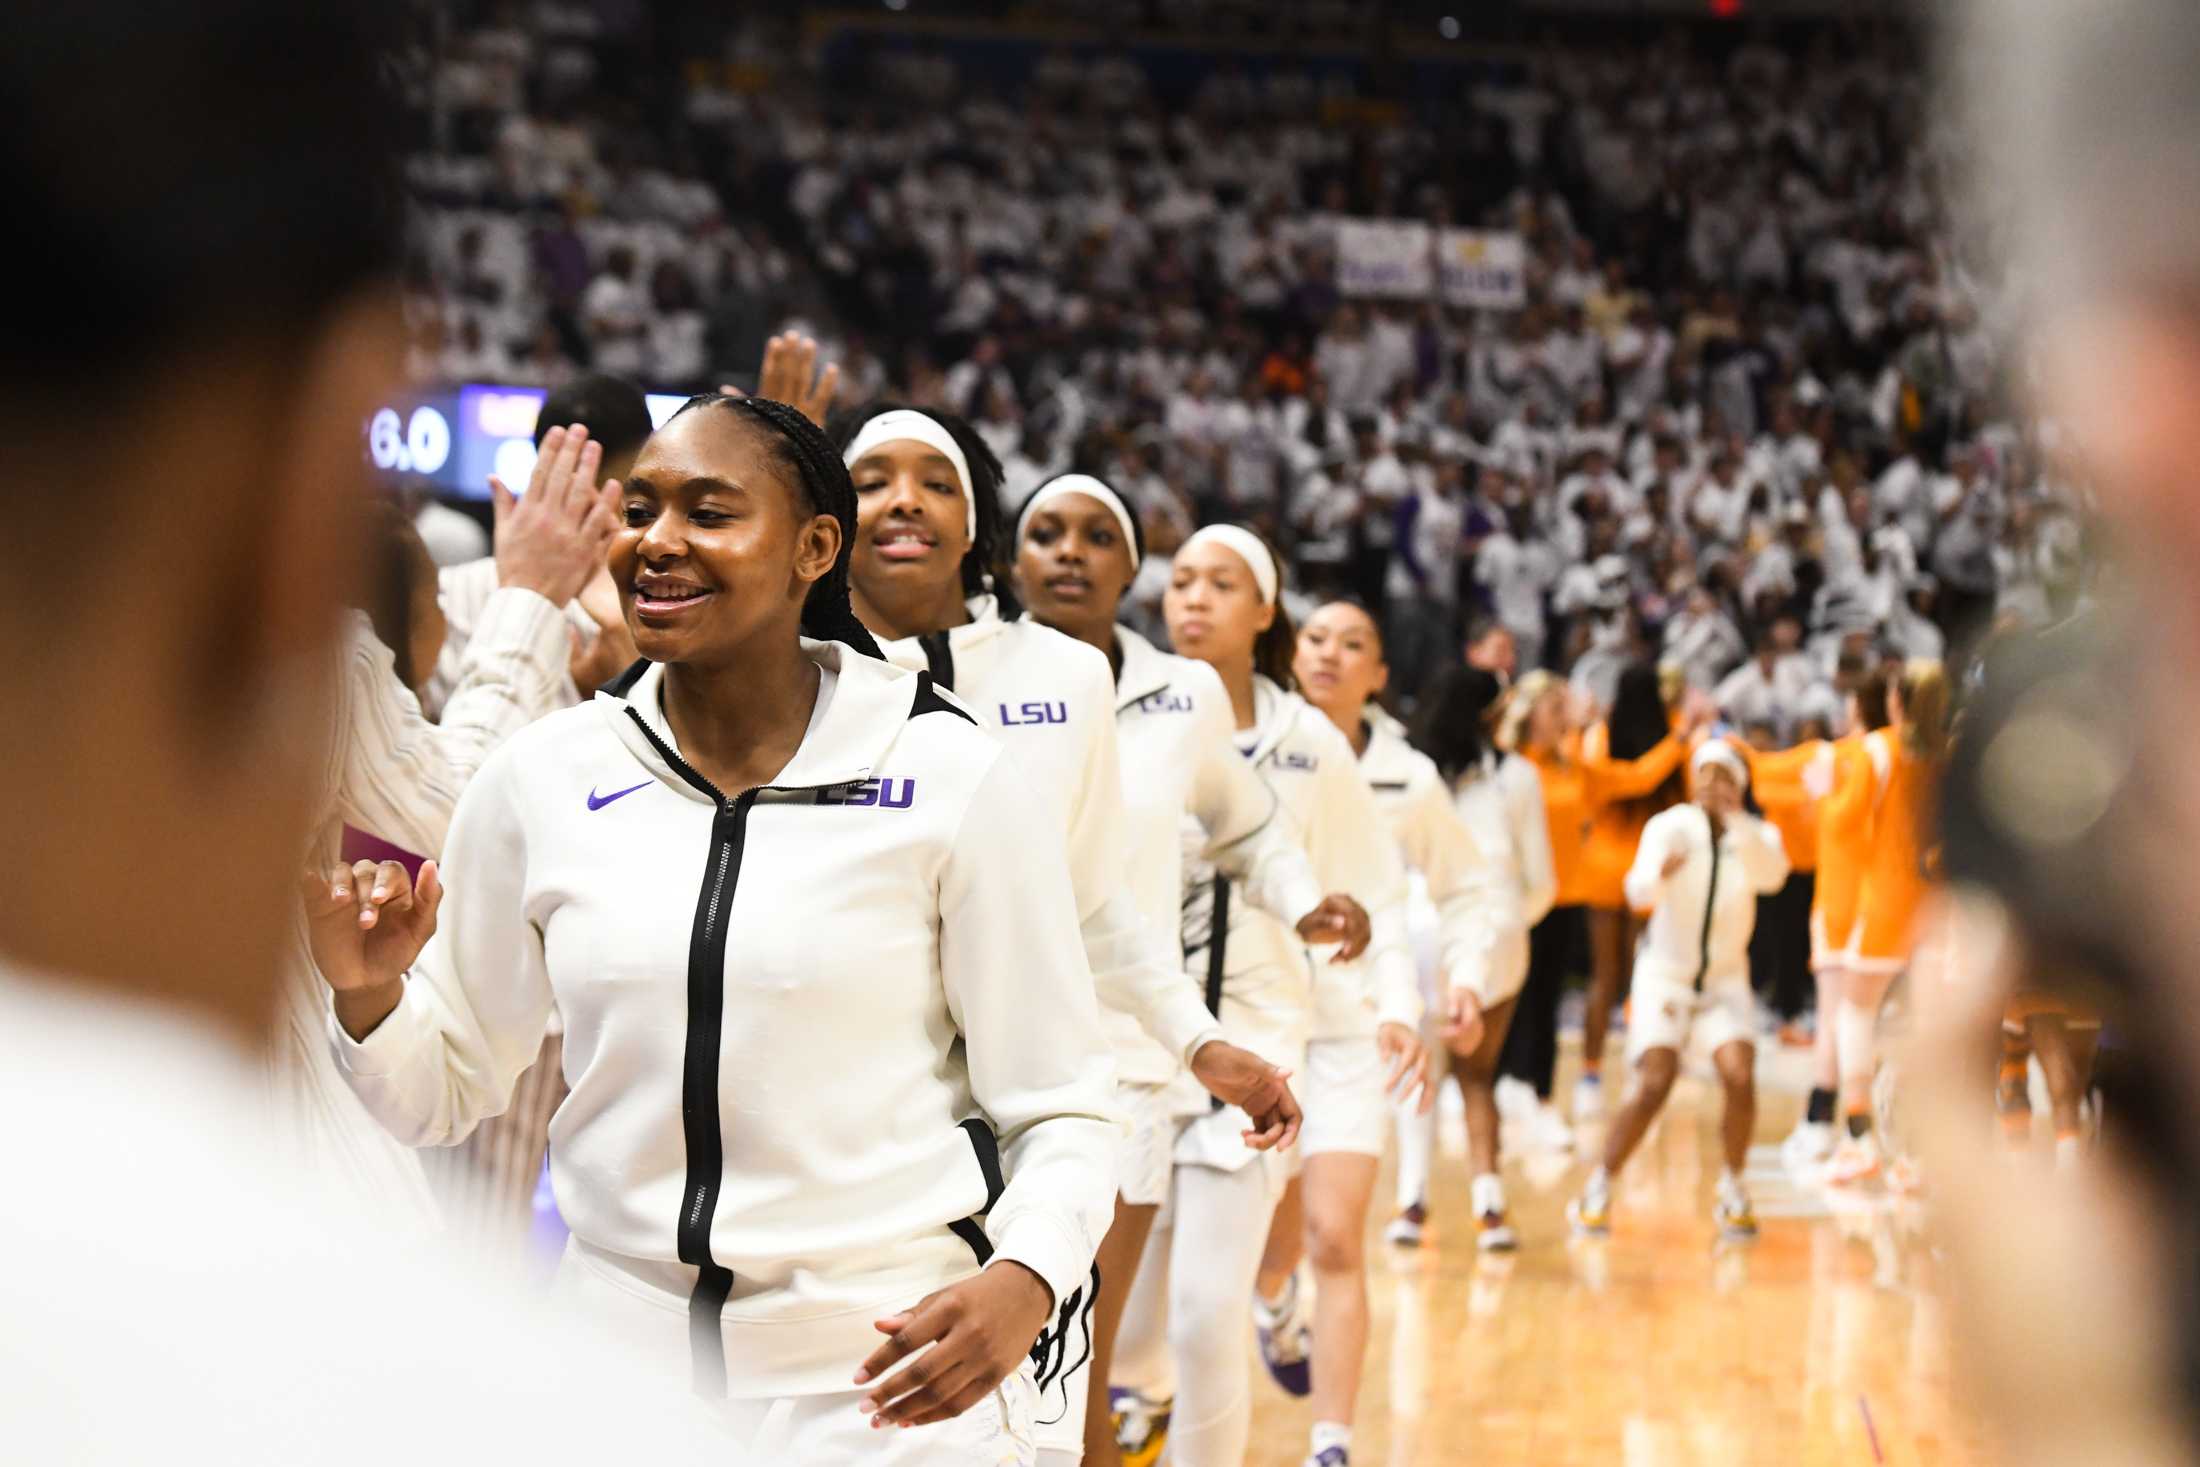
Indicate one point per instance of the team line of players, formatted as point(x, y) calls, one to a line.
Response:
point(1011, 947)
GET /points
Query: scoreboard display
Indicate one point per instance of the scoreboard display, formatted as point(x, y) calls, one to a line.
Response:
point(456, 437)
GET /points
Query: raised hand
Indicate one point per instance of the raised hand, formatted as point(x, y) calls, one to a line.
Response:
point(790, 374)
point(612, 651)
point(366, 924)
point(552, 540)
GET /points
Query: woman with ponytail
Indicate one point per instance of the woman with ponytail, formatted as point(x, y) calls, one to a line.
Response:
point(1350, 1029)
point(1078, 550)
point(768, 830)
point(1896, 785)
point(926, 577)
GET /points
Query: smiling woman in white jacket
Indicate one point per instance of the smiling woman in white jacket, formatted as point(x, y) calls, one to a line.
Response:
point(1698, 873)
point(1343, 1021)
point(812, 965)
point(922, 576)
point(1078, 548)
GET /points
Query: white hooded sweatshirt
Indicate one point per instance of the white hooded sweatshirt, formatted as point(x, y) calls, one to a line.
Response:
point(796, 1019)
point(1276, 995)
point(1175, 732)
point(1051, 699)
point(1478, 870)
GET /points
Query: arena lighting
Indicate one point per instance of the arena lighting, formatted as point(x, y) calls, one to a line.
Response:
point(1725, 9)
point(1448, 27)
point(897, 4)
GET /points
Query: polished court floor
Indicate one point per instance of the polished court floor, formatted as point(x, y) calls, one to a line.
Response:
point(1821, 1343)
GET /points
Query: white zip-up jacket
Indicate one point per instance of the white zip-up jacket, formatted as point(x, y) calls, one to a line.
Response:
point(1175, 733)
point(796, 1019)
point(1276, 995)
point(1513, 888)
point(1683, 943)
point(1473, 871)
point(1051, 700)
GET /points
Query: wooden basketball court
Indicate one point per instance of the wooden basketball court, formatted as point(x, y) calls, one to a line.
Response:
point(1821, 1343)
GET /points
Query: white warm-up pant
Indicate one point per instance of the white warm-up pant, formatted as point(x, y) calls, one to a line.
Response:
point(1185, 1323)
point(828, 1429)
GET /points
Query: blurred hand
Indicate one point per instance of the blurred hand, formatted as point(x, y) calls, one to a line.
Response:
point(552, 540)
point(1242, 1078)
point(790, 374)
point(1673, 864)
point(1407, 1057)
point(597, 661)
point(1338, 919)
point(1463, 1024)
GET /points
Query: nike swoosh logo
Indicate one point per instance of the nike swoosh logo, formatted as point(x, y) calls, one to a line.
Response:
point(595, 803)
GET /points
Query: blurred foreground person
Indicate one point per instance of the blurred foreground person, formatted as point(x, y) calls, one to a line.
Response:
point(2074, 798)
point(216, 298)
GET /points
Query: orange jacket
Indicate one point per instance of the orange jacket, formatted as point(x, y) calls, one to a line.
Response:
point(1777, 781)
point(1615, 825)
point(1893, 877)
point(1566, 809)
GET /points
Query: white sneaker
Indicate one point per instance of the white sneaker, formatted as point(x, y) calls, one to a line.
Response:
point(1809, 1144)
point(1405, 1229)
point(1547, 1129)
point(1590, 1214)
point(1736, 1219)
point(1492, 1228)
point(1588, 1099)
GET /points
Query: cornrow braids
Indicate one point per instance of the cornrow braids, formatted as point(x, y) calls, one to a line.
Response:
point(827, 615)
point(985, 565)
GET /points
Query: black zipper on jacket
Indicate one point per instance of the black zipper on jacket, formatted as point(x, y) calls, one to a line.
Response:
point(1710, 896)
point(699, 1090)
point(1218, 946)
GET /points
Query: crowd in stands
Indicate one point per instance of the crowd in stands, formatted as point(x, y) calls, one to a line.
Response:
point(1753, 418)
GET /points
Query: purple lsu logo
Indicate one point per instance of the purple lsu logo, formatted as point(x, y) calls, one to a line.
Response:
point(1298, 763)
point(1166, 702)
point(887, 794)
point(1034, 713)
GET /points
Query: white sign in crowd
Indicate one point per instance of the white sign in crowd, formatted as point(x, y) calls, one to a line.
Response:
point(1403, 259)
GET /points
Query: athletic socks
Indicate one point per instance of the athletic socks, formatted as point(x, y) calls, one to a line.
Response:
point(1327, 1434)
point(1819, 1112)
point(1855, 1035)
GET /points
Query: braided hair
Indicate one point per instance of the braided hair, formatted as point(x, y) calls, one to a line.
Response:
point(826, 489)
point(985, 564)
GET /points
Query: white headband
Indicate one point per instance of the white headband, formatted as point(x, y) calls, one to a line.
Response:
point(1721, 753)
point(1248, 547)
point(892, 427)
point(1092, 488)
